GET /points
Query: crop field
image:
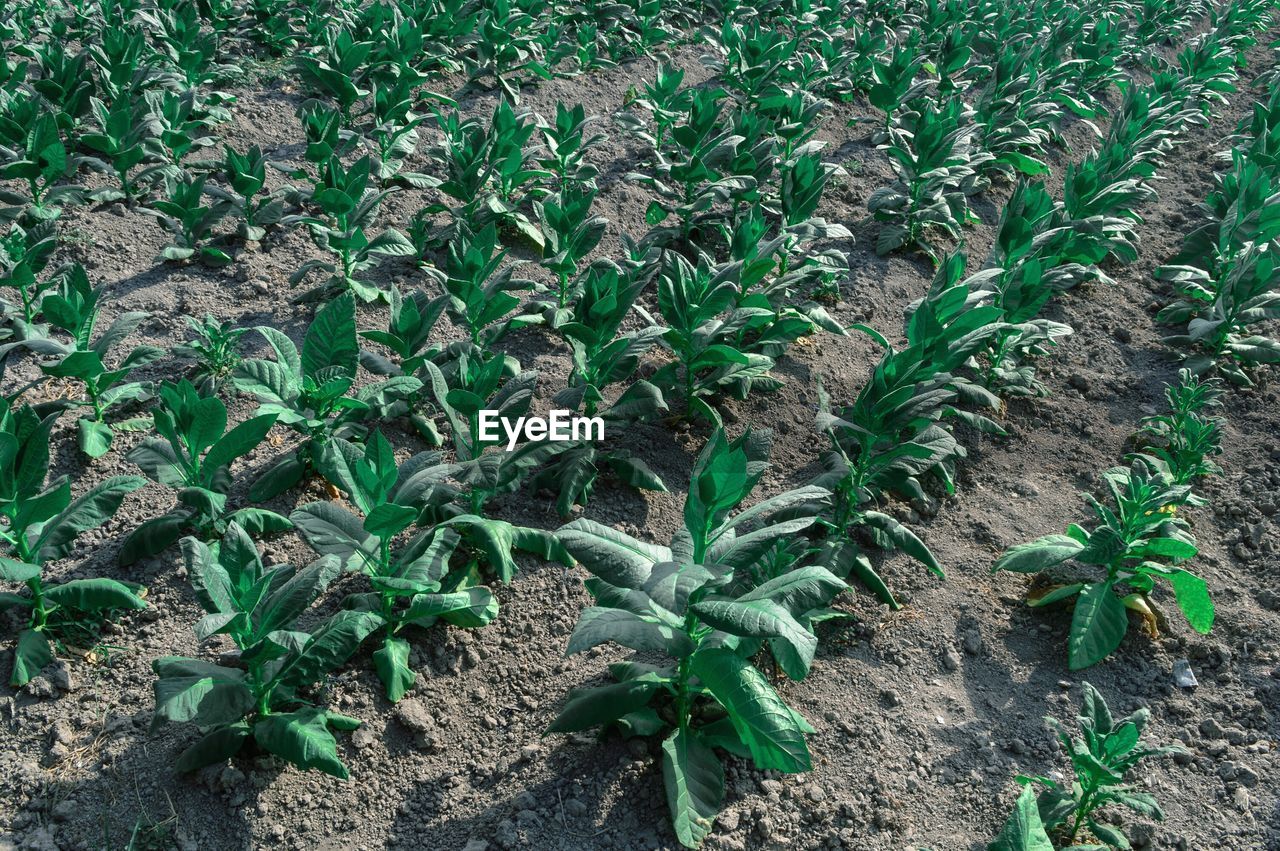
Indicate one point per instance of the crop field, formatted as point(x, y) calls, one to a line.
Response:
point(499, 424)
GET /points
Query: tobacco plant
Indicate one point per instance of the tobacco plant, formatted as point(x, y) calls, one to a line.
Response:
point(309, 391)
point(413, 582)
point(192, 456)
point(41, 525)
point(190, 220)
point(1101, 760)
point(349, 208)
point(892, 436)
point(1219, 309)
point(246, 174)
point(24, 254)
point(216, 351)
point(75, 309)
point(938, 166)
point(1181, 441)
point(1139, 539)
point(44, 163)
point(602, 356)
point(261, 696)
point(697, 623)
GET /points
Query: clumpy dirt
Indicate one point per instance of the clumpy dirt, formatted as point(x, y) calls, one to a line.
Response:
point(924, 716)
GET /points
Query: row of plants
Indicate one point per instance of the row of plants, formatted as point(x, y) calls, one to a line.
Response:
point(1142, 532)
point(949, 131)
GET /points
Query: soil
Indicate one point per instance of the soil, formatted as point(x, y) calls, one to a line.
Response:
point(924, 716)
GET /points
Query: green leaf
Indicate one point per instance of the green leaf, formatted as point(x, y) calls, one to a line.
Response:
point(31, 654)
point(391, 661)
point(592, 707)
point(615, 557)
point(88, 512)
point(94, 595)
point(1034, 556)
point(1193, 598)
point(1097, 627)
point(764, 619)
point(388, 520)
point(303, 738)
point(207, 694)
point(331, 340)
point(218, 745)
point(12, 570)
point(94, 437)
point(238, 442)
point(1024, 831)
point(694, 780)
point(764, 723)
point(598, 625)
point(330, 646)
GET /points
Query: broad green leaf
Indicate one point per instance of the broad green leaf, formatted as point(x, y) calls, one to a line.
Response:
point(1024, 831)
point(1193, 598)
point(88, 512)
point(303, 738)
point(592, 707)
point(218, 745)
point(331, 339)
point(614, 556)
point(207, 694)
point(1097, 626)
point(391, 661)
point(599, 625)
point(31, 654)
point(694, 781)
point(1034, 556)
point(764, 723)
point(94, 595)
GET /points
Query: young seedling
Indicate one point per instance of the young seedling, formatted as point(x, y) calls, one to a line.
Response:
point(413, 583)
point(1182, 441)
point(350, 208)
point(308, 391)
point(216, 351)
point(261, 697)
point(45, 162)
point(193, 456)
point(41, 524)
point(75, 309)
point(602, 356)
point(191, 221)
point(1101, 760)
point(247, 175)
point(24, 254)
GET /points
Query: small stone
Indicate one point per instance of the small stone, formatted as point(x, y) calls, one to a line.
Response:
point(575, 808)
point(61, 677)
point(1017, 746)
point(1246, 776)
point(815, 793)
point(415, 715)
point(728, 820)
point(41, 687)
point(950, 659)
point(891, 698)
point(1211, 729)
point(363, 737)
